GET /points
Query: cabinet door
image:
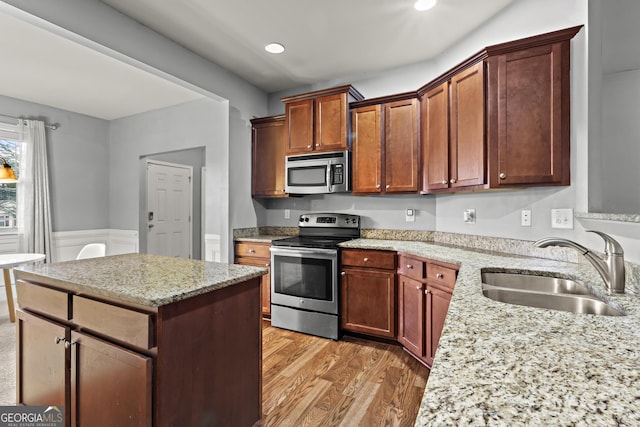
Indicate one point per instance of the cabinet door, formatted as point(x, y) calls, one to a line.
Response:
point(411, 313)
point(367, 142)
point(42, 362)
point(331, 122)
point(110, 386)
point(401, 146)
point(434, 107)
point(437, 307)
point(299, 124)
point(368, 299)
point(265, 281)
point(267, 159)
point(467, 143)
point(529, 133)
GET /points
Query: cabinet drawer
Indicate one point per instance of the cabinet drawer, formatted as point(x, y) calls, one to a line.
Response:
point(439, 275)
point(122, 324)
point(43, 300)
point(411, 267)
point(253, 249)
point(369, 258)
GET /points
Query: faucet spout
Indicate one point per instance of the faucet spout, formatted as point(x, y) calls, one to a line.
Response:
point(610, 266)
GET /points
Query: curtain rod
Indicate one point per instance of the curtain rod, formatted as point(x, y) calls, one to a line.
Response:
point(52, 127)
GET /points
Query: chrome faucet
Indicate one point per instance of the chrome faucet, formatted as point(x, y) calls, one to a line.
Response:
point(610, 266)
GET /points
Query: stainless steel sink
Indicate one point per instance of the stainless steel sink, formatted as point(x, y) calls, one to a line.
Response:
point(544, 292)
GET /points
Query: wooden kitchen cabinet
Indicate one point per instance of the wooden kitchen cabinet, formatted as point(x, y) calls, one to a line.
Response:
point(368, 292)
point(319, 121)
point(267, 157)
point(424, 293)
point(501, 119)
point(114, 363)
point(257, 254)
point(452, 136)
point(386, 145)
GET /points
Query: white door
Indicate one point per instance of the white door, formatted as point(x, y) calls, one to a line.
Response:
point(169, 194)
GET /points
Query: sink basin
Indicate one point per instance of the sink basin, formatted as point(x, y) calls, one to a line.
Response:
point(544, 292)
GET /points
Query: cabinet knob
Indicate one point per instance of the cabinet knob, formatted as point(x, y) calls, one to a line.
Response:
point(419, 288)
point(317, 145)
point(68, 344)
point(439, 275)
point(308, 146)
point(267, 264)
point(409, 266)
point(58, 339)
point(387, 186)
point(445, 182)
point(453, 181)
point(252, 251)
point(377, 185)
point(502, 175)
point(426, 292)
point(343, 274)
point(366, 260)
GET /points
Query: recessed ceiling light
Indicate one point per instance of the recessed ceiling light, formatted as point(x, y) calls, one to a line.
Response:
point(422, 5)
point(274, 48)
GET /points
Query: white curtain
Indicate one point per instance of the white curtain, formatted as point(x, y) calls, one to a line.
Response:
point(34, 211)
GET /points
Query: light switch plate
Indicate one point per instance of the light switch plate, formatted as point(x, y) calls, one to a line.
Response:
point(525, 217)
point(410, 215)
point(562, 218)
point(469, 216)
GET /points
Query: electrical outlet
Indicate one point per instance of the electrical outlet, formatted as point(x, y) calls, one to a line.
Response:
point(469, 216)
point(562, 218)
point(410, 215)
point(287, 214)
point(525, 218)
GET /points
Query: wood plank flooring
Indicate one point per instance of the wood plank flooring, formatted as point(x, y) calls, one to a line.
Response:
point(311, 381)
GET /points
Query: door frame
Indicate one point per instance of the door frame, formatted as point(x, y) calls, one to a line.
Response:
point(146, 199)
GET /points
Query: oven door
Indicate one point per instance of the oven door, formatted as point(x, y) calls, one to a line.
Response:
point(305, 278)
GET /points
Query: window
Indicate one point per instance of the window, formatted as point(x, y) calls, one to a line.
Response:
point(10, 151)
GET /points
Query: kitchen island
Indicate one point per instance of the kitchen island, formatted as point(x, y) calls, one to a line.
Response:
point(499, 364)
point(140, 339)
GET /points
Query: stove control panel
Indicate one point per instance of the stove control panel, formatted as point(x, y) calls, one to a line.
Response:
point(329, 220)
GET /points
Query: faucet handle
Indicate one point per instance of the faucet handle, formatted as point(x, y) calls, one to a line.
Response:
point(611, 246)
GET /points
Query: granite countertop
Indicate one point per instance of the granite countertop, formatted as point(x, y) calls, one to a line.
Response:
point(260, 238)
point(499, 364)
point(149, 280)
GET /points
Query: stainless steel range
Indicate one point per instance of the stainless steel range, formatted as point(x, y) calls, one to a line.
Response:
point(304, 274)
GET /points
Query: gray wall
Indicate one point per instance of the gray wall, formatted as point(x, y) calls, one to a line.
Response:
point(78, 164)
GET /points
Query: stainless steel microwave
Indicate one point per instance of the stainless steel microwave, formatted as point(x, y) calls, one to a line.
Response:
point(318, 173)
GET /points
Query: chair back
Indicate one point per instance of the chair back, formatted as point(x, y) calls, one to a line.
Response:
point(92, 250)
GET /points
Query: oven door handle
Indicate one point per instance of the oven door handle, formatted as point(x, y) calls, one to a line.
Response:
point(306, 251)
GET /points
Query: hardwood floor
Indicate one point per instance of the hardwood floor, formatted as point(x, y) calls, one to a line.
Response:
point(311, 381)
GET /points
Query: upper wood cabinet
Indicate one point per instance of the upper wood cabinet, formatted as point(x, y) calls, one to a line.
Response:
point(500, 119)
point(385, 145)
point(267, 157)
point(453, 146)
point(318, 121)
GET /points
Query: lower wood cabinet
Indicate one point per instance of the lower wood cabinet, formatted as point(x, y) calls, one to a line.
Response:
point(368, 292)
point(257, 254)
point(424, 293)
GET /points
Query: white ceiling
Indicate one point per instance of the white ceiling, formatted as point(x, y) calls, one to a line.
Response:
point(325, 40)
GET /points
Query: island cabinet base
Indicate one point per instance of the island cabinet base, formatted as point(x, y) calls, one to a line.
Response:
point(193, 362)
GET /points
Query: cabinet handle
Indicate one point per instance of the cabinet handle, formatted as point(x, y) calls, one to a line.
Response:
point(317, 145)
point(453, 181)
point(343, 274)
point(445, 182)
point(419, 288)
point(366, 260)
point(68, 344)
point(388, 185)
point(252, 251)
point(58, 339)
point(267, 264)
point(308, 146)
point(502, 175)
point(426, 292)
point(409, 266)
point(377, 185)
point(439, 275)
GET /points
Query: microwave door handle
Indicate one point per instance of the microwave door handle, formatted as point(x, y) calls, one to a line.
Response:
point(329, 183)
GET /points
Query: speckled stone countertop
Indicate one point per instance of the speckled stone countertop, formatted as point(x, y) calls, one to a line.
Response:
point(149, 280)
point(261, 238)
point(499, 364)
